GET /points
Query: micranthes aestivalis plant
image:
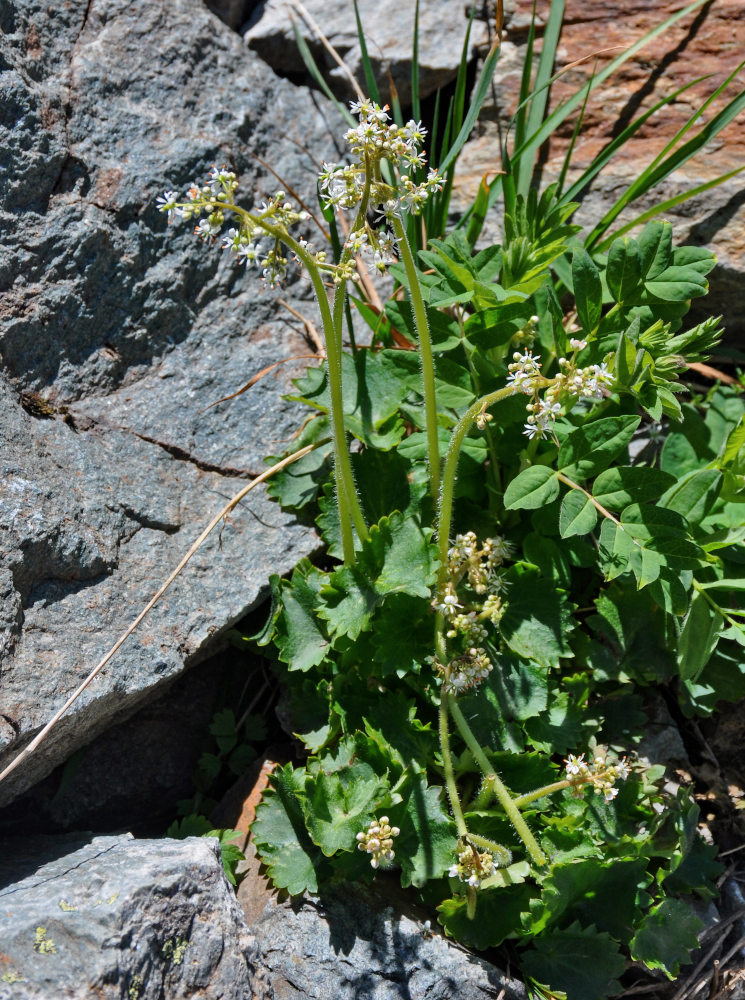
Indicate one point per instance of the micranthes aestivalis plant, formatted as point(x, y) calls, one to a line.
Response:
point(532, 633)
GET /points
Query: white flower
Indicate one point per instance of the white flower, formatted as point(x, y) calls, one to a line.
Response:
point(207, 229)
point(166, 202)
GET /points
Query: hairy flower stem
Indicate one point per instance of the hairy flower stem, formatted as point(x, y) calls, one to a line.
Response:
point(447, 762)
point(539, 793)
point(502, 855)
point(503, 796)
point(425, 354)
point(349, 508)
point(350, 512)
point(451, 467)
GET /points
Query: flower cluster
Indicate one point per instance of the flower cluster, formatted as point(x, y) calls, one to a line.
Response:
point(592, 382)
point(474, 568)
point(473, 866)
point(251, 242)
point(467, 671)
point(376, 138)
point(600, 773)
point(377, 841)
point(378, 245)
point(465, 558)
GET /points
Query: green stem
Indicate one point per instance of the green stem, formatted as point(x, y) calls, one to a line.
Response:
point(503, 796)
point(539, 793)
point(350, 512)
point(502, 855)
point(425, 354)
point(447, 761)
point(598, 506)
point(484, 797)
point(451, 468)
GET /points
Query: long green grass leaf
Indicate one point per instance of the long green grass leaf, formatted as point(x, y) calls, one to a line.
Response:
point(653, 176)
point(572, 143)
point(370, 82)
point(541, 90)
point(608, 152)
point(536, 139)
point(312, 66)
point(667, 206)
point(524, 95)
point(477, 99)
point(415, 107)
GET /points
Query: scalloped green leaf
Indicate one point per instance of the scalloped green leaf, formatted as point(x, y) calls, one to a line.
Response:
point(537, 619)
point(498, 915)
point(298, 634)
point(425, 848)
point(606, 894)
point(340, 797)
point(667, 936)
point(398, 558)
point(281, 837)
point(583, 962)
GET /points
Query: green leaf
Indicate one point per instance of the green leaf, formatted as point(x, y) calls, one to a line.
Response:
point(298, 484)
point(281, 837)
point(623, 272)
point(655, 248)
point(299, 635)
point(666, 937)
point(537, 620)
point(591, 448)
point(425, 848)
point(340, 798)
point(694, 495)
point(607, 894)
point(392, 724)
point(698, 637)
point(676, 284)
point(577, 515)
point(397, 558)
point(222, 728)
point(498, 914)
point(588, 290)
point(513, 692)
point(693, 866)
point(581, 961)
point(620, 486)
point(534, 487)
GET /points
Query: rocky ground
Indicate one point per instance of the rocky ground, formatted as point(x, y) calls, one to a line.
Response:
point(116, 334)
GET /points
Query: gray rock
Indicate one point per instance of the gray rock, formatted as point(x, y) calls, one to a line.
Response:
point(121, 330)
point(389, 30)
point(350, 947)
point(233, 12)
point(116, 917)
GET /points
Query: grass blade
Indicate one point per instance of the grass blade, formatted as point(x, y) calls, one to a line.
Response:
point(653, 175)
point(573, 142)
point(312, 66)
point(415, 108)
point(541, 89)
point(609, 151)
point(370, 82)
point(477, 99)
point(524, 95)
point(536, 139)
point(666, 206)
